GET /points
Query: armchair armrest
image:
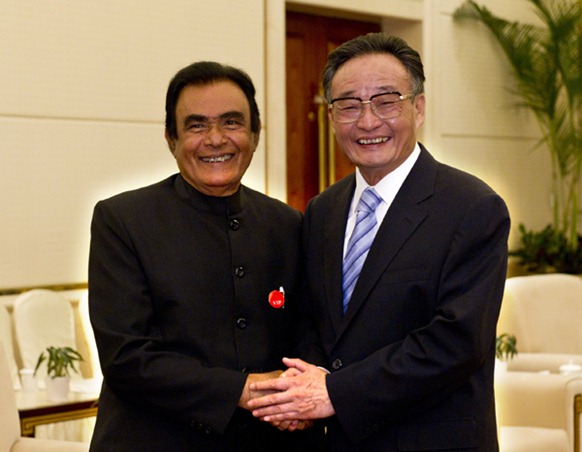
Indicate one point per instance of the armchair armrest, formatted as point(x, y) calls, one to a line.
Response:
point(529, 399)
point(536, 362)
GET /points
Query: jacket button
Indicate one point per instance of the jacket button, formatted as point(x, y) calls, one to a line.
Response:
point(239, 271)
point(241, 323)
point(336, 364)
point(234, 224)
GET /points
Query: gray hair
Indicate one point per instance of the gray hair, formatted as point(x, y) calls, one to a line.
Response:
point(374, 43)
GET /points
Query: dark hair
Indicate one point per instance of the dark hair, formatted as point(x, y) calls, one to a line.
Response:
point(370, 44)
point(205, 73)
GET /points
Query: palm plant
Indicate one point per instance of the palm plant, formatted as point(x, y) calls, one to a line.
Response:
point(547, 64)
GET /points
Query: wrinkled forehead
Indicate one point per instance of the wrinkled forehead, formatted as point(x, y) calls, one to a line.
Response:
point(370, 74)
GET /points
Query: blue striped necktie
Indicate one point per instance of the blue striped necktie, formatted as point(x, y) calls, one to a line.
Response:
point(360, 241)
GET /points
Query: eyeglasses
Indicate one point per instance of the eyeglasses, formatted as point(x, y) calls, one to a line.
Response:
point(384, 105)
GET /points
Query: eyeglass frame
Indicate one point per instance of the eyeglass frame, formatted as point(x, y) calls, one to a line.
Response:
point(401, 97)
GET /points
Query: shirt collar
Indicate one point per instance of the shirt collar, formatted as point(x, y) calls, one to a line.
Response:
point(389, 185)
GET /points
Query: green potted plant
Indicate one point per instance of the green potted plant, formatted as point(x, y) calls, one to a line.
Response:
point(60, 361)
point(505, 350)
point(505, 347)
point(547, 66)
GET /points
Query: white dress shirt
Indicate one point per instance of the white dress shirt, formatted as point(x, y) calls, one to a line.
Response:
point(387, 189)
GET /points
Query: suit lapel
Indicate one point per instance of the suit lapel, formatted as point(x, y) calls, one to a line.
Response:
point(403, 217)
point(335, 225)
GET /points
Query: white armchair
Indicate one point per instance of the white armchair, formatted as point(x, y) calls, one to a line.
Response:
point(538, 412)
point(543, 312)
point(45, 318)
point(10, 439)
point(541, 411)
point(6, 339)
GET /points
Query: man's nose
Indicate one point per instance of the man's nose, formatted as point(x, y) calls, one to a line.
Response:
point(368, 118)
point(215, 135)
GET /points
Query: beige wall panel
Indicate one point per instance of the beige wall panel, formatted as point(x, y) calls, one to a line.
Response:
point(404, 9)
point(113, 60)
point(47, 209)
point(512, 168)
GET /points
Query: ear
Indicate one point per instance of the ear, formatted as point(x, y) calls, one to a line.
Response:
point(170, 141)
point(419, 108)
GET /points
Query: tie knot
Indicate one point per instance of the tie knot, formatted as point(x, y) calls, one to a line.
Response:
point(369, 200)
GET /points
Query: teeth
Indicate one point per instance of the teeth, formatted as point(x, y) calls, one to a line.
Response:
point(222, 158)
point(373, 141)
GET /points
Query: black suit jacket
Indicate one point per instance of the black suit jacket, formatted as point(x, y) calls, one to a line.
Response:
point(412, 359)
point(178, 291)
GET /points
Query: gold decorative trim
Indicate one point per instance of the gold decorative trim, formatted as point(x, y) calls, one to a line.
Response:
point(28, 424)
point(577, 412)
point(56, 287)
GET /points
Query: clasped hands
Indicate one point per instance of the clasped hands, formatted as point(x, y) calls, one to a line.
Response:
point(289, 400)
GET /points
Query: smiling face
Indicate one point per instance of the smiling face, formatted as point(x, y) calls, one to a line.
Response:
point(377, 146)
point(214, 145)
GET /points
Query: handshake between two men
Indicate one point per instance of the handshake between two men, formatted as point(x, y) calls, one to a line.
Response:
point(289, 400)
